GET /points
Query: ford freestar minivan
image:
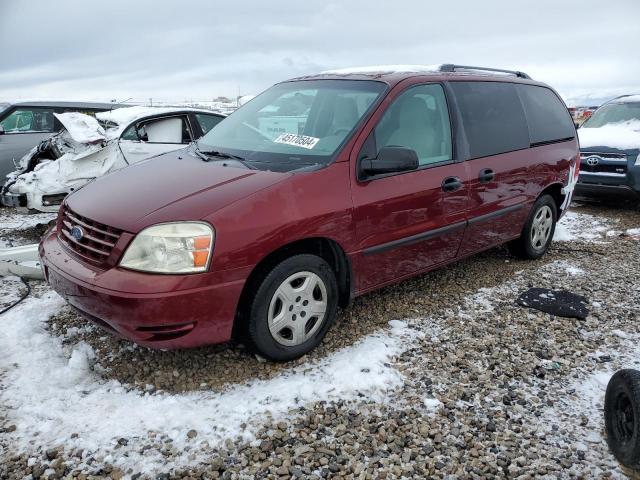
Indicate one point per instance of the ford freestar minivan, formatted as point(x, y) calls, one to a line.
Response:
point(318, 190)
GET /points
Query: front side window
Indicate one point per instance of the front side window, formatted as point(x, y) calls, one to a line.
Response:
point(492, 116)
point(614, 113)
point(418, 119)
point(29, 120)
point(295, 123)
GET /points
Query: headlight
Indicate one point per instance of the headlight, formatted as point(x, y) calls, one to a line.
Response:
point(637, 164)
point(183, 247)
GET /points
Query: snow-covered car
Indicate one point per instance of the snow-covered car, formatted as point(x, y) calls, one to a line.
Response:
point(610, 149)
point(24, 124)
point(90, 147)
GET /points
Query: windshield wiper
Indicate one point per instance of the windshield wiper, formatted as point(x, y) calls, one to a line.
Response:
point(206, 156)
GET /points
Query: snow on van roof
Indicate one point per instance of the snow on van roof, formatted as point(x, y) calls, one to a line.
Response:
point(384, 69)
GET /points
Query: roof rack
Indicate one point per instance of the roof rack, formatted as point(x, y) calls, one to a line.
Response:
point(450, 67)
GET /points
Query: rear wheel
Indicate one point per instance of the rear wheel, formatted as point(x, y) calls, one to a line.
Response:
point(538, 230)
point(293, 308)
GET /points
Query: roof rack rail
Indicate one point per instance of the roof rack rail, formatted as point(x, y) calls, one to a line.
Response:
point(450, 67)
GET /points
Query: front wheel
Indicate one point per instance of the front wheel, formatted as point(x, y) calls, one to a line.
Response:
point(538, 230)
point(293, 308)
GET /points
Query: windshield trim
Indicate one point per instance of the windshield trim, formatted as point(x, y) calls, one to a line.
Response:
point(323, 160)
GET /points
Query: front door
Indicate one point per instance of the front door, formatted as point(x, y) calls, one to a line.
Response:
point(409, 222)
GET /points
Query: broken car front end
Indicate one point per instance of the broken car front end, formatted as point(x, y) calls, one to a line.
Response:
point(60, 165)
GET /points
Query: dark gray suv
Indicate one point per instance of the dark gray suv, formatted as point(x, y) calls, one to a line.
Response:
point(610, 149)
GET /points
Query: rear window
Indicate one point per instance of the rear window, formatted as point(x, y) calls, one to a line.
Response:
point(492, 116)
point(548, 118)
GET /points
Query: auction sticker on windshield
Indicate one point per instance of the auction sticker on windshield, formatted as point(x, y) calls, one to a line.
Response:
point(297, 140)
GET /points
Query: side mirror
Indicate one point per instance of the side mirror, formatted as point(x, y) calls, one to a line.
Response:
point(390, 160)
point(1, 130)
point(577, 125)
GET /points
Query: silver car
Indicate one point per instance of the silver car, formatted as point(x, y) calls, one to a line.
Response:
point(23, 125)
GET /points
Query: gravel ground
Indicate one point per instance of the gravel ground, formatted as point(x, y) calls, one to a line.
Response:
point(489, 389)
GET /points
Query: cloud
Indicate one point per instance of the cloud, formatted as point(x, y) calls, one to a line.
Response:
point(197, 49)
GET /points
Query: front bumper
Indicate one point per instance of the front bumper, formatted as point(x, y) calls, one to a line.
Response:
point(14, 200)
point(158, 311)
point(614, 173)
point(590, 189)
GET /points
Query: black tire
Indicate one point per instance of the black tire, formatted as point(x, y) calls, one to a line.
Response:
point(622, 417)
point(257, 328)
point(523, 246)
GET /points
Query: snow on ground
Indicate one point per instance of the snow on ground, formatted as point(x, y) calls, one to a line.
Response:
point(569, 268)
point(582, 397)
point(14, 228)
point(576, 226)
point(16, 222)
point(585, 400)
point(52, 391)
point(10, 290)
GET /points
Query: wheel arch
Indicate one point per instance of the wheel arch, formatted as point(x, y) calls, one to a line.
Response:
point(324, 247)
point(555, 190)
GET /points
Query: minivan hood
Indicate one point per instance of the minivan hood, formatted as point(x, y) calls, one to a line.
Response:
point(171, 187)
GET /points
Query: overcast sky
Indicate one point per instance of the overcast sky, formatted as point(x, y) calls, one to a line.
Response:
point(197, 50)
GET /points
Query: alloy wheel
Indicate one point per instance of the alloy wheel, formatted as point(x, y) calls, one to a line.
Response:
point(541, 227)
point(297, 309)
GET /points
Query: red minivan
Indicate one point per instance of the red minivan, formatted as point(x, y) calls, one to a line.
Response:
point(320, 189)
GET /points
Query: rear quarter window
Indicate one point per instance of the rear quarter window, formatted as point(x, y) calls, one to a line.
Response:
point(492, 117)
point(548, 118)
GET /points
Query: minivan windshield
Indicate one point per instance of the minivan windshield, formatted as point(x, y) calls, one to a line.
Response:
point(614, 113)
point(294, 124)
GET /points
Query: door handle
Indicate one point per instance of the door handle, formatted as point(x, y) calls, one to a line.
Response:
point(451, 184)
point(486, 175)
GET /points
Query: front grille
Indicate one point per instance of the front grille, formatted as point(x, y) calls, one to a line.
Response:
point(608, 163)
point(619, 169)
point(96, 242)
point(606, 156)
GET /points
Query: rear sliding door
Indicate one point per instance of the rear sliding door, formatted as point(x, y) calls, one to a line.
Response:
point(494, 129)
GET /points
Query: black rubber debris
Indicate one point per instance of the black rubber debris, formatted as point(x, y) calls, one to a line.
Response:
point(556, 302)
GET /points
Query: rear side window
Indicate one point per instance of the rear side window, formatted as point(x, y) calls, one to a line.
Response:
point(548, 118)
point(492, 116)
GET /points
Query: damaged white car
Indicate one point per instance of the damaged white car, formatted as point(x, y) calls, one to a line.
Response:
point(90, 147)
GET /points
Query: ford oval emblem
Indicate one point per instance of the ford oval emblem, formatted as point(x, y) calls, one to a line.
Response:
point(593, 160)
point(77, 232)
